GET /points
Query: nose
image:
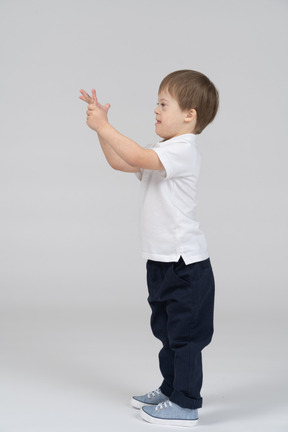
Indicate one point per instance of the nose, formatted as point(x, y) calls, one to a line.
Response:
point(156, 110)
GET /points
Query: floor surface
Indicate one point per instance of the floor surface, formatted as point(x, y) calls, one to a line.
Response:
point(75, 371)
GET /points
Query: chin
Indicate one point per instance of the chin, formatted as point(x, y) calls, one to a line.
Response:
point(164, 137)
point(167, 137)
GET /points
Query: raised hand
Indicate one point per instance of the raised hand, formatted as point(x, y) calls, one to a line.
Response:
point(93, 99)
point(85, 96)
point(96, 113)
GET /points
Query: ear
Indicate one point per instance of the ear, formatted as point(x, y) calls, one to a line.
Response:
point(191, 115)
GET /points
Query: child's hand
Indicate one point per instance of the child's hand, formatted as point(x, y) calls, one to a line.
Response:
point(96, 113)
point(85, 97)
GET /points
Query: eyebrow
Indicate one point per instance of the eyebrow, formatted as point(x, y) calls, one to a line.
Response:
point(162, 99)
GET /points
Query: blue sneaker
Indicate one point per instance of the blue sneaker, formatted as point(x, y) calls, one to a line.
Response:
point(153, 398)
point(169, 414)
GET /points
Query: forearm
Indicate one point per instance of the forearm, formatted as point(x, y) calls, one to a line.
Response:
point(114, 160)
point(131, 157)
point(122, 147)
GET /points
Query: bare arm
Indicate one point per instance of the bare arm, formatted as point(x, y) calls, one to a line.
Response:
point(126, 149)
point(114, 160)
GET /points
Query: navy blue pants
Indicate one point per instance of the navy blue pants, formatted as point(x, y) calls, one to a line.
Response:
point(182, 301)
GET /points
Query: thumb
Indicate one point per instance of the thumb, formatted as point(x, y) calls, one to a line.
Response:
point(107, 106)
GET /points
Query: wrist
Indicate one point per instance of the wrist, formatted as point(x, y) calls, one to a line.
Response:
point(103, 131)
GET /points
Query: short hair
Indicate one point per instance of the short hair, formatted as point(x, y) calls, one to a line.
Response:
point(193, 90)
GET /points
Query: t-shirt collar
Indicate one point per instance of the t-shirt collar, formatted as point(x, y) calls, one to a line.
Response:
point(185, 137)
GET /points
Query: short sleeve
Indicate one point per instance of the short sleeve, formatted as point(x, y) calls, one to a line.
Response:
point(179, 159)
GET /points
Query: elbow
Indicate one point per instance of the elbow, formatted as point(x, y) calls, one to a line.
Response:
point(117, 168)
point(114, 166)
point(133, 163)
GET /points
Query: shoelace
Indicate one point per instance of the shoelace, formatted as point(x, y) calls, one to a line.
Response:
point(154, 393)
point(163, 405)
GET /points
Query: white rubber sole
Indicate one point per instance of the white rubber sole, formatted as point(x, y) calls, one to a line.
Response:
point(167, 422)
point(137, 404)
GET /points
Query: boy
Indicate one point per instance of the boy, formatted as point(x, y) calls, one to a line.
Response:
point(179, 274)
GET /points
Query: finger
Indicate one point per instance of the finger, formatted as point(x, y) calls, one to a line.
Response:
point(94, 100)
point(94, 97)
point(85, 96)
point(107, 107)
point(84, 93)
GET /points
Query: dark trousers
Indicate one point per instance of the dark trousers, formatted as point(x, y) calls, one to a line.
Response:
point(182, 301)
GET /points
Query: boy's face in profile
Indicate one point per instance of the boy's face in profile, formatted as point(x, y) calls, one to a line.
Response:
point(170, 119)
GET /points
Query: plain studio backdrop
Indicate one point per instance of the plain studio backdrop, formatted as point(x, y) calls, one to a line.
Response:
point(75, 336)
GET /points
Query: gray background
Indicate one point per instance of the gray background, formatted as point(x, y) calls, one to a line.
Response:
point(75, 337)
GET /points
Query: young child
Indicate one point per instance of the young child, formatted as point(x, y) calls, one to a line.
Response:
point(179, 274)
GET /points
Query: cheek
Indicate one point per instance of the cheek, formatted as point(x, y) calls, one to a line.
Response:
point(169, 119)
point(172, 122)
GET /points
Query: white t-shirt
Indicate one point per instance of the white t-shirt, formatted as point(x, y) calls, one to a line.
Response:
point(168, 199)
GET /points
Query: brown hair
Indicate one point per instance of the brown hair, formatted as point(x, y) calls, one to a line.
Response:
point(193, 90)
